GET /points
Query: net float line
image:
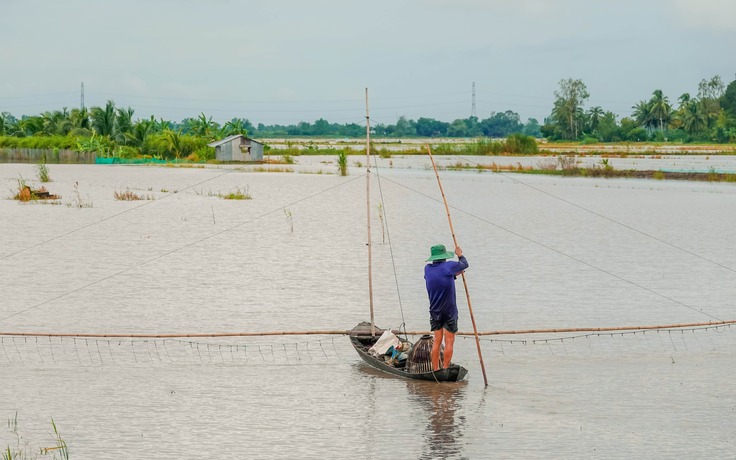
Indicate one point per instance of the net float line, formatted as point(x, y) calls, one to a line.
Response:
point(344, 332)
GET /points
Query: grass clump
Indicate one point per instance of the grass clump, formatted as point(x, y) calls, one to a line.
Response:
point(238, 194)
point(547, 164)
point(42, 172)
point(271, 169)
point(342, 162)
point(130, 195)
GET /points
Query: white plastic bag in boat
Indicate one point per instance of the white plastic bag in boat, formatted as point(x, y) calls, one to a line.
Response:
point(386, 341)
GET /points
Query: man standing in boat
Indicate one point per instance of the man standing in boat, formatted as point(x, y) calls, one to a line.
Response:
point(440, 277)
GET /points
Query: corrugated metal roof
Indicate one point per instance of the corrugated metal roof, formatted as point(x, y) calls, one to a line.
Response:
point(225, 140)
point(231, 138)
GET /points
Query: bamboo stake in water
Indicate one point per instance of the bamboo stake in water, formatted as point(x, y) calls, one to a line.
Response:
point(465, 283)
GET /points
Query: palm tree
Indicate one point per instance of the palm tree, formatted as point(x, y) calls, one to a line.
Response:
point(160, 125)
point(80, 118)
point(57, 122)
point(595, 114)
point(28, 126)
point(660, 108)
point(139, 132)
point(123, 124)
point(103, 120)
point(694, 117)
point(235, 126)
point(173, 141)
point(642, 114)
point(7, 122)
point(201, 126)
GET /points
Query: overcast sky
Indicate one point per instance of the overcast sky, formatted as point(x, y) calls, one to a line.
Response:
point(284, 61)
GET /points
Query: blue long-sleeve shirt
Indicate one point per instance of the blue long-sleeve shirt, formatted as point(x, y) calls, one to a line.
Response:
point(440, 278)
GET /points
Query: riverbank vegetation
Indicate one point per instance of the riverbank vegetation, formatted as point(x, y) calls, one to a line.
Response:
point(111, 131)
point(569, 166)
point(708, 116)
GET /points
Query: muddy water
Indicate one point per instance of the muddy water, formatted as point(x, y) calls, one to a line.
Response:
point(545, 252)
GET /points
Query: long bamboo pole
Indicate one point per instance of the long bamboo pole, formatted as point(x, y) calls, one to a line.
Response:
point(465, 282)
point(347, 332)
point(368, 207)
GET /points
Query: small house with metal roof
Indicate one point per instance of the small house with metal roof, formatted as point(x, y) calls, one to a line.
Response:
point(237, 148)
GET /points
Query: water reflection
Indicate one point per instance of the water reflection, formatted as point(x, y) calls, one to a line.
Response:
point(444, 430)
point(440, 402)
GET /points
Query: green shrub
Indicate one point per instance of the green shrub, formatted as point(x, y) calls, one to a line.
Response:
point(203, 154)
point(38, 142)
point(100, 145)
point(159, 145)
point(444, 149)
point(521, 143)
point(484, 147)
point(126, 152)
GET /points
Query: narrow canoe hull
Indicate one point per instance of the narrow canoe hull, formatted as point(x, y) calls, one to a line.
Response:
point(454, 373)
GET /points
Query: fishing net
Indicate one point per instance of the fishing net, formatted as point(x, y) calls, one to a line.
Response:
point(692, 340)
point(45, 351)
point(80, 351)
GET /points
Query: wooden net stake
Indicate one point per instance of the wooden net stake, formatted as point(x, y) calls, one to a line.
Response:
point(465, 282)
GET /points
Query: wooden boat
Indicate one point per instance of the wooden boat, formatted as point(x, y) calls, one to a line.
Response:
point(365, 335)
point(362, 341)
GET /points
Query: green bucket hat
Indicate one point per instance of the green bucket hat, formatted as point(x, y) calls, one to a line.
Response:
point(440, 252)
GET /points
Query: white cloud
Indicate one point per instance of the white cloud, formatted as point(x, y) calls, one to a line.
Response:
point(708, 14)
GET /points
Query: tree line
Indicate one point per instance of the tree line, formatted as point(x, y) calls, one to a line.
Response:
point(118, 124)
point(709, 116)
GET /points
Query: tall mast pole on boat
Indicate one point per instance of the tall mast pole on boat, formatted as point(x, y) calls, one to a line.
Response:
point(368, 206)
point(465, 282)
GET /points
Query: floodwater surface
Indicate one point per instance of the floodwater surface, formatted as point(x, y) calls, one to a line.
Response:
point(544, 252)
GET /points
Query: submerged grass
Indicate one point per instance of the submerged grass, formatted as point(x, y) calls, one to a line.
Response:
point(130, 195)
point(78, 201)
point(21, 449)
point(270, 169)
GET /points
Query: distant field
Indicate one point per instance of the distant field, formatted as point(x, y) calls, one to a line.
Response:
point(416, 144)
point(639, 148)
